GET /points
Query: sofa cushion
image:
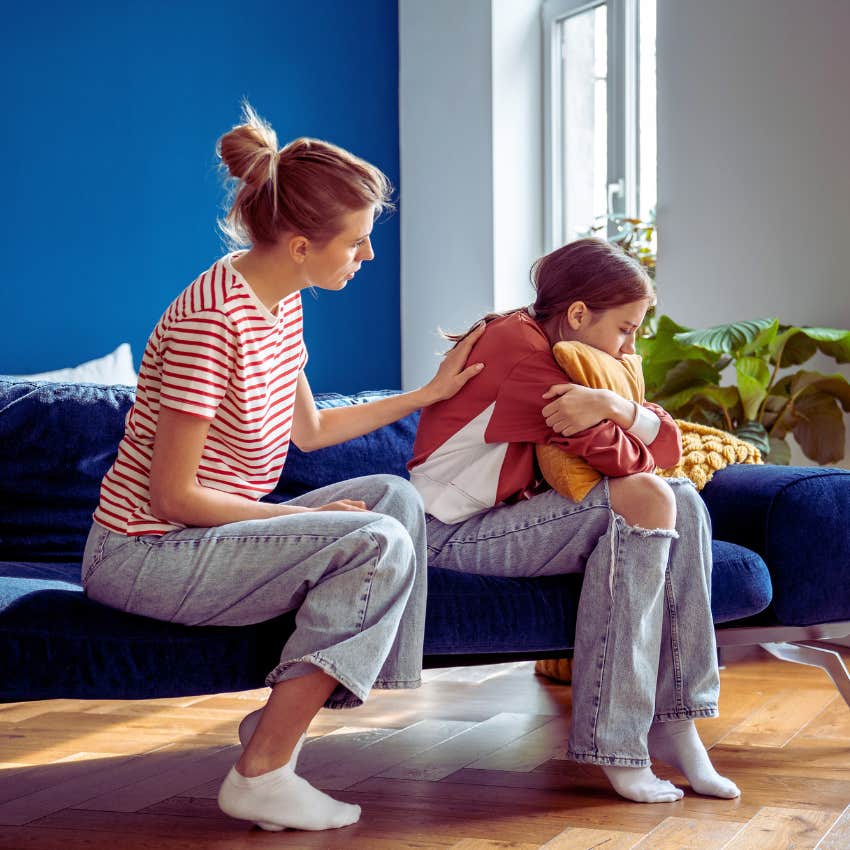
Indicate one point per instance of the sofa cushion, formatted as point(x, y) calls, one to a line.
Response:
point(796, 519)
point(58, 642)
point(66, 436)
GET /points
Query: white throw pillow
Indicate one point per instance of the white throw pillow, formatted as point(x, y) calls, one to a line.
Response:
point(114, 368)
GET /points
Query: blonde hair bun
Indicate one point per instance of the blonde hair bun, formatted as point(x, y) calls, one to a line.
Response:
point(250, 150)
point(322, 183)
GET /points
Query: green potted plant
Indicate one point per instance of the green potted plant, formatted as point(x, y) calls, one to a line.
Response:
point(764, 402)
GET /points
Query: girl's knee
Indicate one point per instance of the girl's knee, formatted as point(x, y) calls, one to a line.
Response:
point(689, 503)
point(644, 500)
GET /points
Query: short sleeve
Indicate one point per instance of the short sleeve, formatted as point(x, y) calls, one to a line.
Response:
point(197, 356)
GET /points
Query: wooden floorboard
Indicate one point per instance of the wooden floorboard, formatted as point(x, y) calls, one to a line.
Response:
point(473, 760)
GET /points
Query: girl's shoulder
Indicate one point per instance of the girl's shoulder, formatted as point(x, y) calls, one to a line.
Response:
point(517, 330)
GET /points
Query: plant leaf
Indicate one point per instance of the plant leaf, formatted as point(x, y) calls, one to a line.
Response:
point(661, 352)
point(831, 341)
point(724, 397)
point(820, 429)
point(794, 345)
point(725, 339)
point(762, 341)
point(801, 343)
point(753, 378)
point(688, 373)
point(835, 385)
point(780, 452)
point(754, 433)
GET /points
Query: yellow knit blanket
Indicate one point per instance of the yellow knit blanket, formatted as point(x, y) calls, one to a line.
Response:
point(704, 451)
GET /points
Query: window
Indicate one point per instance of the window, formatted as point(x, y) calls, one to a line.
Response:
point(599, 109)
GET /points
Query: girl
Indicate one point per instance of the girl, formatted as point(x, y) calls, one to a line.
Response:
point(645, 662)
point(179, 533)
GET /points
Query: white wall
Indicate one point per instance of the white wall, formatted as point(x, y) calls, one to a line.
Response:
point(754, 176)
point(470, 149)
point(754, 162)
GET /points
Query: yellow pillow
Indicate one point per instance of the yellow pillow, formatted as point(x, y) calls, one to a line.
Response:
point(574, 477)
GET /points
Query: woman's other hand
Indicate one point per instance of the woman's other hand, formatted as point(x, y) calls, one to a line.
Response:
point(576, 408)
point(342, 505)
point(453, 372)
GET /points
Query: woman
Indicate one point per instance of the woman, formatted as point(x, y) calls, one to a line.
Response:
point(179, 533)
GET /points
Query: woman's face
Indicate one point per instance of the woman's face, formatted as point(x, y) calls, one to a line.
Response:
point(332, 265)
point(612, 330)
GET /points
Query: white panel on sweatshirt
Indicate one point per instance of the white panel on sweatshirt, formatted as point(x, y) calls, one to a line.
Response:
point(461, 477)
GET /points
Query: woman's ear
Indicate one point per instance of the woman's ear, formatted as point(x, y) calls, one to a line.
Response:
point(577, 314)
point(298, 247)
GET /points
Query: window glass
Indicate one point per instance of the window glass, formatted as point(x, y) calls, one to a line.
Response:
point(584, 119)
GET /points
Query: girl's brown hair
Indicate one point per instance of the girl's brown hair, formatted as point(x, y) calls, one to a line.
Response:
point(305, 187)
point(594, 271)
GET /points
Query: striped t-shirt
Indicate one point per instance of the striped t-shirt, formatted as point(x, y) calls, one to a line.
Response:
point(220, 354)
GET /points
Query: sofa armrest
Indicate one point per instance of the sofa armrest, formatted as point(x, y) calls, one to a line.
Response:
point(795, 518)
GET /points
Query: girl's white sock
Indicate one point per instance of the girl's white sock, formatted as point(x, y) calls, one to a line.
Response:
point(677, 743)
point(280, 799)
point(641, 785)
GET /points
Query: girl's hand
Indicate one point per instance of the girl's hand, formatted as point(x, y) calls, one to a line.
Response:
point(453, 372)
point(342, 505)
point(576, 408)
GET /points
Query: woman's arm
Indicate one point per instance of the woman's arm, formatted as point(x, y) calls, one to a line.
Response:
point(314, 429)
point(176, 495)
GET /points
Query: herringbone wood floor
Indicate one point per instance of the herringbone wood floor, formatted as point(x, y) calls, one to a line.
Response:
point(474, 760)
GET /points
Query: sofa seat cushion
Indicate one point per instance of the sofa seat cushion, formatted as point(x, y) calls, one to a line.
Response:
point(58, 642)
point(796, 519)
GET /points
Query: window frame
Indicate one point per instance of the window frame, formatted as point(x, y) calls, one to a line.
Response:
point(622, 103)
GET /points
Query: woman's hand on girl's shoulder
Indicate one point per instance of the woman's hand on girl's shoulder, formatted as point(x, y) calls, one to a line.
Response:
point(453, 372)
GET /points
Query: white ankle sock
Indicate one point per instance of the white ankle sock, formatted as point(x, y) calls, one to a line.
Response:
point(249, 725)
point(280, 799)
point(677, 743)
point(641, 785)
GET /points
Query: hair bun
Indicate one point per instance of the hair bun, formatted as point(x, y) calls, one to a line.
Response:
point(250, 150)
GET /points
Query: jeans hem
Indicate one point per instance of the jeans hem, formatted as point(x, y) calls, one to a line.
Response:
point(686, 714)
point(355, 695)
point(607, 761)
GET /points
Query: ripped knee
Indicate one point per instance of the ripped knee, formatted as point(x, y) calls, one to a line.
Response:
point(644, 500)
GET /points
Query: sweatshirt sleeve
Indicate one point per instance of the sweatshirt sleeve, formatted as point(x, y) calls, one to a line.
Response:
point(518, 417)
point(666, 448)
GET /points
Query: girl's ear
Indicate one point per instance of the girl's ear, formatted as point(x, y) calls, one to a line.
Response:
point(577, 314)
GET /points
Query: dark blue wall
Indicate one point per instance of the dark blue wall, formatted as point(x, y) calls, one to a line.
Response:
point(111, 112)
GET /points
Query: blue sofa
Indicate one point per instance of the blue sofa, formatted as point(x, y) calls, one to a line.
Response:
point(781, 565)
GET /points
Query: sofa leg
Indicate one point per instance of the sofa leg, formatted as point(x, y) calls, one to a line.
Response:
point(815, 656)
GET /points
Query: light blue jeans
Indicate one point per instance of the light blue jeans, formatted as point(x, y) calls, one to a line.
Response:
point(357, 579)
point(644, 644)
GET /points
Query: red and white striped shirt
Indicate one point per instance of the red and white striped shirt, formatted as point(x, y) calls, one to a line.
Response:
point(220, 354)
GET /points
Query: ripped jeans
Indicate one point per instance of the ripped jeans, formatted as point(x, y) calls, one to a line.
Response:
point(644, 644)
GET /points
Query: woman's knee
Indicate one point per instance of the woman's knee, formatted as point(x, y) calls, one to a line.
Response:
point(394, 550)
point(643, 500)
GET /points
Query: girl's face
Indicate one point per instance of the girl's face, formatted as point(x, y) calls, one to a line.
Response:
point(612, 330)
point(331, 266)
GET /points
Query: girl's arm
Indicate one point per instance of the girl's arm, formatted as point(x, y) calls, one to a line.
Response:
point(314, 429)
point(176, 495)
point(577, 408)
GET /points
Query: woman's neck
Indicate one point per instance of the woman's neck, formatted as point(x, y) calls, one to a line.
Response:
point(270, 273)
